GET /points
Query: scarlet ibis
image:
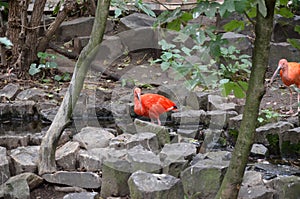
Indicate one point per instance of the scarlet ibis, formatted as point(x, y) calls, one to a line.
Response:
point(290, 74)
point(151, 105)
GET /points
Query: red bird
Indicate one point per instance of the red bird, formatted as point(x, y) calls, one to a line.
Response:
point(290, 74)
point(151, 105)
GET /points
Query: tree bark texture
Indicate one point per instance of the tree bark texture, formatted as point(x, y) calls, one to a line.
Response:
point(29, 51)
point(62, 118)
point(235, 172)
point(17, 20)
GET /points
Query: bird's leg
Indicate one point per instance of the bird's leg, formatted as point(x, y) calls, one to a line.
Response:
point(158, 122)
point(291, 98)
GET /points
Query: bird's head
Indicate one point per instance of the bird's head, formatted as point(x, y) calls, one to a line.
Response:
point(137, 93)
point(282, 64)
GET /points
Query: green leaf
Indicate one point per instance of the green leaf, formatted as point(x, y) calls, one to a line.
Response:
point(241, 6)
point(118, 12)
point(165, 45)
point(51, 65)
point(186, 50)
point(234, 25)
point(145, 8)
point(166, 56)
point(295, 43)
point(174, 25)
point(186, 16)
point(33, 69)
point(285, 12)
point(262, 7)
point(5, 41)
point(165, 65)
point(57, 78)
point(297, 29)
point(238, 91)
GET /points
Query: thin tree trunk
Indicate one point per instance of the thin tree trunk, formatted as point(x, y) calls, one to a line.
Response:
point(234, 175)
point(62, 118)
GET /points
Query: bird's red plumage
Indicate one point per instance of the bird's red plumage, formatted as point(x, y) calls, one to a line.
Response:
point(290, 73)
point(151, 105)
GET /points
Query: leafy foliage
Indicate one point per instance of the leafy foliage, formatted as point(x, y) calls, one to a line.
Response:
point(6, 42)
point(47, 62)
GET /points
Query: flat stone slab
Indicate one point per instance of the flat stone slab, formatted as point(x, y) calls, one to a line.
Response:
point(82, 195)
point(86, 180)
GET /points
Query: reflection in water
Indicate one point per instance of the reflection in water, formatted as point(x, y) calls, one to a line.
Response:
point(15, 127)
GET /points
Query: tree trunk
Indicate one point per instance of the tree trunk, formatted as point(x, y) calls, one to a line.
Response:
point(17, 21)
point(62, 118)
point(29, 51)
point(234, 175)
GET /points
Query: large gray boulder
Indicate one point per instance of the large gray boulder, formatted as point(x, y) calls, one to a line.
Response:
point(204, 177)
point(122, 163)
point(66, 155)
point(146, 185)
point(19, 186)
point(93, 137)
point(24, 159)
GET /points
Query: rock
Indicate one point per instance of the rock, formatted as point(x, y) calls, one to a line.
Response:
point(9, 91)
point(280, 50)
point(146, 185)
point(4, 166)
point(148, 140)
point(140, 38)
point(86, 180)
point(69, 29)
point(123, 163)
point(48, 114)
point(240, 41)
point(218, 119)
point(212, 140)
point(137, 20)
point(174, 92)
point(270, 170)
point(92, 159)
point(188, 117)
point(120, 141)
point(259, 150)
point(161, 132)
point(34, 94)
point(188, 133)
point(235, 122)
point(82, 195)
point(66, 155)
point(14, 141)
point(269, 135)
point(211, 170)
point(289, 142)
point(197, 100)
point(286, 186)
point(216, 102)
point(24, 159)
point(17, 109)
point(80, 43)
point(93, 137)
point(175, 157)
point(19, 186)
point(256, 192)
point(253, 187)
point(284, 28)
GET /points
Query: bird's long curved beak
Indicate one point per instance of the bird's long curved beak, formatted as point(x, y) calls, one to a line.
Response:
point(139, 99)
point(275, 73)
